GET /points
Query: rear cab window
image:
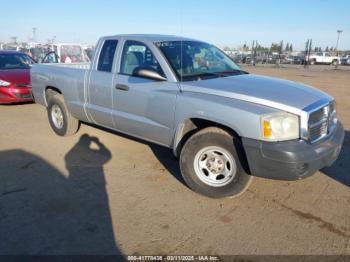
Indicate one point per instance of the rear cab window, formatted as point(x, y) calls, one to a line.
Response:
point(105, 60)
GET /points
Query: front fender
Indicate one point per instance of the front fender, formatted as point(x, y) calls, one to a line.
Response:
point(240, 116)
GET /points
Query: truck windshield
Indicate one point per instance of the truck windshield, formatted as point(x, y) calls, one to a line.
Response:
point(193, 60)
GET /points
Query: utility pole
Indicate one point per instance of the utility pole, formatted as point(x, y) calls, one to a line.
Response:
point(34, 34)
point(336, 47)
point(253, 53)
point(308, 48)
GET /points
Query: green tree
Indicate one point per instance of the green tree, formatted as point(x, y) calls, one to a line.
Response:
point(287, 47)
point(275, 47)
point(327, 49)
point(291, 48)
point(245, 47)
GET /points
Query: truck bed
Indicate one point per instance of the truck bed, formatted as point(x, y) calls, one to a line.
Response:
point(68, 78)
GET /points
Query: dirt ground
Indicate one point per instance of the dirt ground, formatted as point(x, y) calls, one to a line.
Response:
point(101, 193)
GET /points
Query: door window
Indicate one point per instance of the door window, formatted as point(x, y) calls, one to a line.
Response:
point(105, 61)
point(137, 55)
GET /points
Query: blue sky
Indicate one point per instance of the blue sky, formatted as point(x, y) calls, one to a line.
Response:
point(222, 22)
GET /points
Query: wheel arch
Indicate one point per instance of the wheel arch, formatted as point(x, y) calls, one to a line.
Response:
point(192, 125)
point(49, 90)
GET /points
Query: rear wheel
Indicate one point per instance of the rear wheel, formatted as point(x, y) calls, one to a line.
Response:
point(61, 121)
point(312, 62)
point(335, 62)
point(210, 164)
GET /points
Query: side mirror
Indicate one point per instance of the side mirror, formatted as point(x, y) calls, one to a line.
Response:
point(149, 73)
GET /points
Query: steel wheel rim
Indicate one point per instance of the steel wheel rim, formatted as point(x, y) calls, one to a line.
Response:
point(57, 116)
point(215, 166)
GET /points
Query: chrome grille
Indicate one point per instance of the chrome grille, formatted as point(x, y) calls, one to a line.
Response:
point(319, 124)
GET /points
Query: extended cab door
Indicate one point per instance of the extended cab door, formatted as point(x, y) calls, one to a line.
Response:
point(144, 107)
point(100, 85)
point(327, 58)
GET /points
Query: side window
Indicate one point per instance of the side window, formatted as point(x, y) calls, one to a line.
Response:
point(327, 54)
point(137, 55)
point(105, 61)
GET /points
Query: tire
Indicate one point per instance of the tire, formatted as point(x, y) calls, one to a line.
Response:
point(201, 153)
point(335, 62)
point(61, 121)
point(312, 62)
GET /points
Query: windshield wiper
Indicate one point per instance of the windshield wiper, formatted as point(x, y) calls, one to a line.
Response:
point(200, 76)
point(232, 72)
point(206, 75)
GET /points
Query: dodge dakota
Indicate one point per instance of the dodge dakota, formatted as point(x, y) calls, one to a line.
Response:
point(224, 124)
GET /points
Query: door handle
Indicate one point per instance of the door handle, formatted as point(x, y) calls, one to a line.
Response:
point(122, 87)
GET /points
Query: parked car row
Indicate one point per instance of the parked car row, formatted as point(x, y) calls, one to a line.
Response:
point(268, 59)
point(325, 58)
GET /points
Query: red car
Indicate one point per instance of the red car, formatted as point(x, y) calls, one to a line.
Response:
point(15, 77)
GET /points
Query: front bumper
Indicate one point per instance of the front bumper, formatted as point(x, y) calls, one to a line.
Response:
point(292, 160)
point(11, 94)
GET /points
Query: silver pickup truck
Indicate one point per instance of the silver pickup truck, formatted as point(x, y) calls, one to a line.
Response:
point(224, 124)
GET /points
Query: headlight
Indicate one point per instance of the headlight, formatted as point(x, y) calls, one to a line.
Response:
point(4, 83)
point(333, 114)
point(280, 126)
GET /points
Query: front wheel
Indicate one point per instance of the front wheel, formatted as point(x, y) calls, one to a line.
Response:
point(61, 121)
point(210, 164)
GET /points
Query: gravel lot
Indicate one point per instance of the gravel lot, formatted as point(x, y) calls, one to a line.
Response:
point(101, 193)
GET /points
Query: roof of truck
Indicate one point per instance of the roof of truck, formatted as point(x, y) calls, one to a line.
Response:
point(154, 37)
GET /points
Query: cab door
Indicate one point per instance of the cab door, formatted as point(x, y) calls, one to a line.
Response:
point(327, 58)
point(100, 86)
point(144, 108)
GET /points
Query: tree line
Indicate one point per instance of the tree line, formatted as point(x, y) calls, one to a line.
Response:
point(277, 47)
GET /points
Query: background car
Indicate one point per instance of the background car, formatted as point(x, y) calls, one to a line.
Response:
point(345, 60)
point(15, 77)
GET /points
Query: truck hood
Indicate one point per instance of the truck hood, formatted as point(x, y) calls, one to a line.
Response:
point(16, 76)
point(273, 92)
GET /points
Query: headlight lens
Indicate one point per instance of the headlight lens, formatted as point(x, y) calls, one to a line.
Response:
point(4, 83)
point(280, 126)
point(333, 114)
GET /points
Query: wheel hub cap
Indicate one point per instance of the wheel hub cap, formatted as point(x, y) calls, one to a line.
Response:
point(57, 116)
point(215, 166)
